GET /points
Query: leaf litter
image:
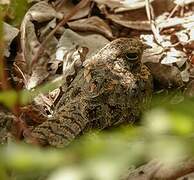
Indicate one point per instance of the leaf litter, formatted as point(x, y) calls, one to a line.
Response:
point(51, 51)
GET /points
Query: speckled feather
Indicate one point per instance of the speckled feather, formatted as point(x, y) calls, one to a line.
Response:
point(107, 91)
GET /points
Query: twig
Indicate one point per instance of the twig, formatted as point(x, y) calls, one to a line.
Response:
point(60, 4)
point(154, 28)
point(22, 74)
point(175, 21)
point(65, 19)
point(173, 11)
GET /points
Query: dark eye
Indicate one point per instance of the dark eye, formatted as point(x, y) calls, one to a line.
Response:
point(132, 56)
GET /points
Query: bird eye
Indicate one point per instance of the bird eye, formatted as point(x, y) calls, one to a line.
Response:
point(132, 56)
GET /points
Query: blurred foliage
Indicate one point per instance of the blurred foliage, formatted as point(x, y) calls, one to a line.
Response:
point(1, 24)
point(26, 96)
point(165, 132)
point(1, 41)
point(14, 12)
point(10, 98)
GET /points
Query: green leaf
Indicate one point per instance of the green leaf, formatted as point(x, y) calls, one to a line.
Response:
point(26, 96)
point(8, 98)
point(18, 9)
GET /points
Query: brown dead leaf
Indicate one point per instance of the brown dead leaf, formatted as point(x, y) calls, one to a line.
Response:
point(183, 3)
point(10, 33)
point(136, 18)
point(33, 114)
point(174, 56)
point(73, 49)
point(31, 40)
point(125, 21)
point(166, 76)
point(94, 23)
point(30, 43)
point(166, 63)
point(42, 12)
point(186, 38)
point(67, 6)
point(122, 5)
point(171, 22)
point(73, 61)
point(71, 39)
point(154, 53)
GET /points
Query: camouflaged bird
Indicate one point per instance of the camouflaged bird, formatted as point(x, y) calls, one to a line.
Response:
point(112, 87)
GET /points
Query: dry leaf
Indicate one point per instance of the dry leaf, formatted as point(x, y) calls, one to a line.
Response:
point(174, 56)
point(71, 39)
point(68, 6)
point(124, 20)
point(30, 42)
point(154, 53)
point(122, 5)
point(183, 2)
point(166, 76)
point(10, 33)
point(94, 23)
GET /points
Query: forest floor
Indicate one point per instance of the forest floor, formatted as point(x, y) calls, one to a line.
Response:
point(43, 49)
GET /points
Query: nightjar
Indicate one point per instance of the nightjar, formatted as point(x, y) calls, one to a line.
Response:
point(113, 87)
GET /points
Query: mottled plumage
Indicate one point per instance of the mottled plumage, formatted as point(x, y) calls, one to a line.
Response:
point(110, 89)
